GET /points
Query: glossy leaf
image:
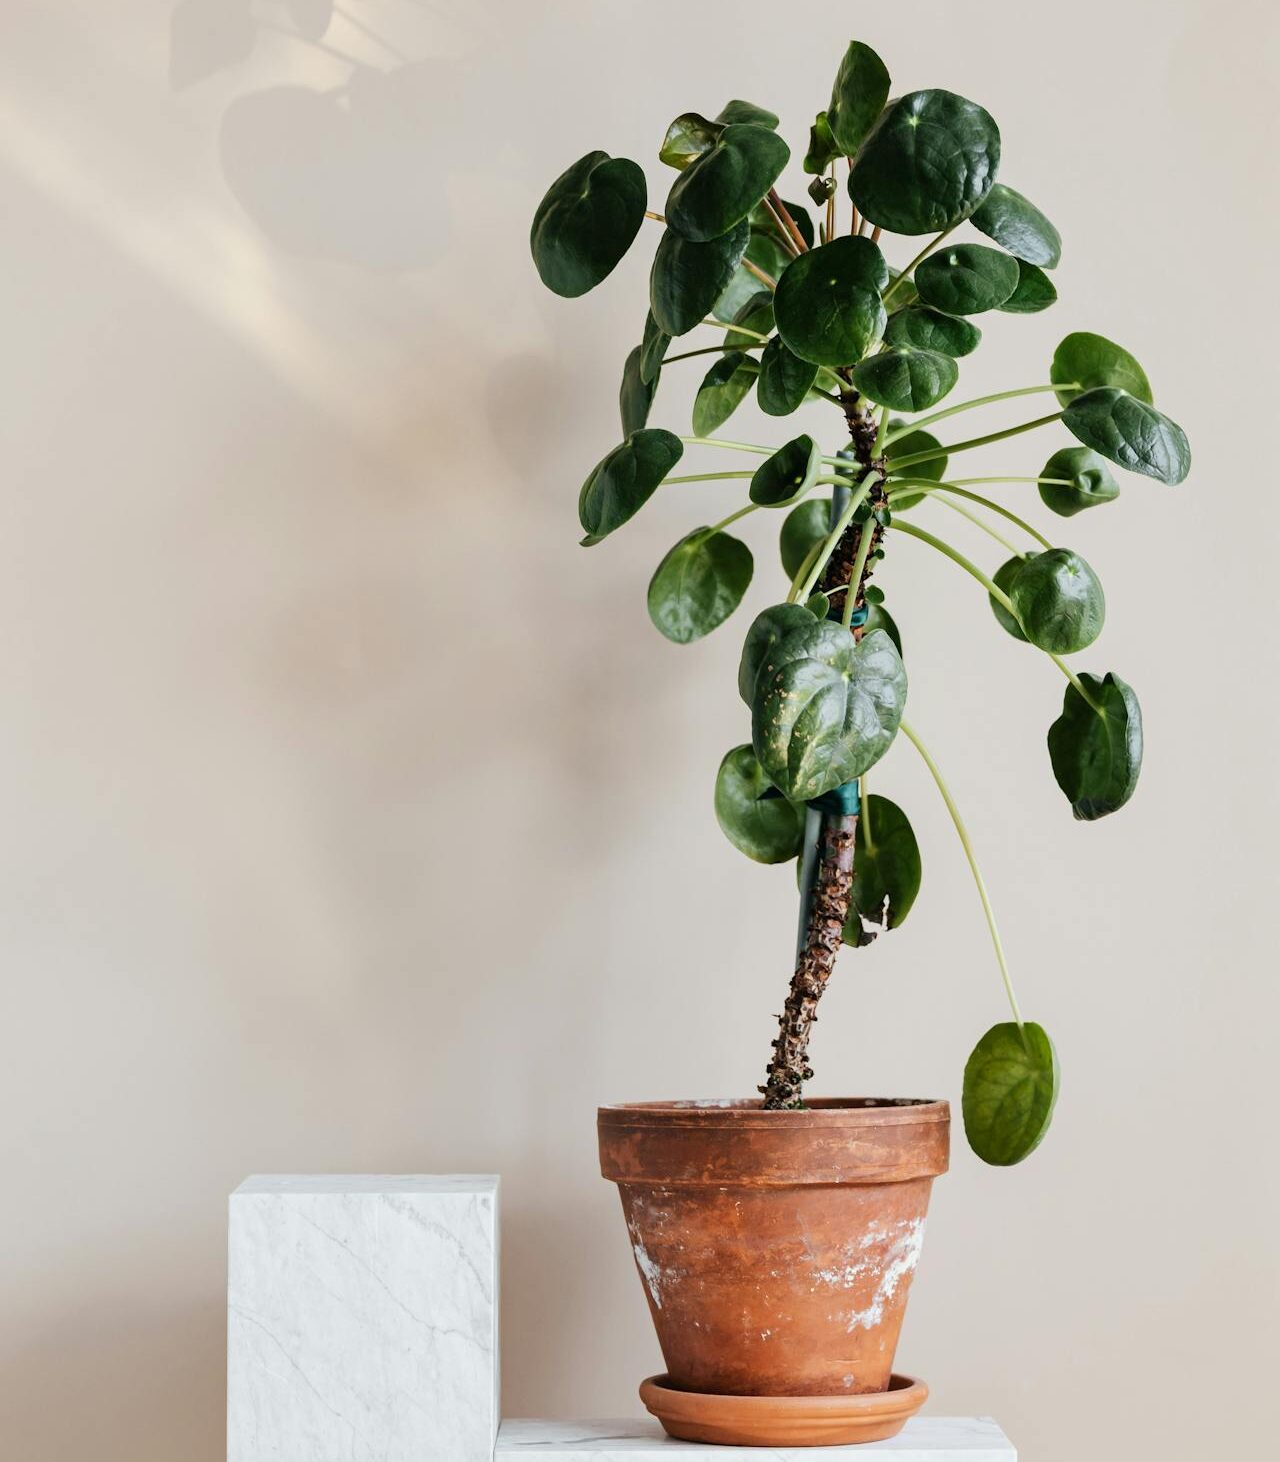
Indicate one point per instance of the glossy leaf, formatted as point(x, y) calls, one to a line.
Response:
point(1058, 600)
point(784, 379)
point(908, 446)
point(722, 390)
point(688, 137)
point(653, 346)
point(1088, 478)
point(722, 186)
point(1131, 433)
point(823, 150)
point(886, 870)
point(828, 305)
point(924, 329)
point(698, 585)
point(1003, 579)
point(906, 379)
point(788, 474)
point(751, 815)
point(740, 111)
point(858, 97)
point(1097, 754)
point(804, 525)
point(768, 628)
point(1034, 292)
point(622, 482)
point(966, 279)
point(1018, 226)
point(928, 163)
point(636, 394)
point(1093, 360)
point(688, 278)
point(1010, 1087)
point(587, 222)
point(826, 708)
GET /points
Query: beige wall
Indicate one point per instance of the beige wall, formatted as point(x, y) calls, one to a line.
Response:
point(354, 819)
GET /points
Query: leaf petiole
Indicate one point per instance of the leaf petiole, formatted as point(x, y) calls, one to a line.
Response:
point(925, 421)
point(914, 459)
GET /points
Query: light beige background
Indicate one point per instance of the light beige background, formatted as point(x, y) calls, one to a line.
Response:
point(354, 818)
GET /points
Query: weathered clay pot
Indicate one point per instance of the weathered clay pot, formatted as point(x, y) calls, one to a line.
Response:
point(776, 1248)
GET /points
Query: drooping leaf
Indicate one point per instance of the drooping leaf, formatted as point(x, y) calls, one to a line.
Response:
point(653, 346)
point(1087, 361)
point(1131, 433)
point(636, 394)
point(740, 111)
point(878, 617)
point(906, 379)
point(688, 278)
point(926, 329)
point(753, 319)
point(818, 605)
point(784, 380)
point(858, 97)
point(823, 150)
point(965, 279)
point(1017, 225)
point(886, 869)
point(1083, 481)
point(908, 446)
point(1010, 1087)
point(587, 221)
point(1034, 292)
point(1058, 600)
point(828, 305)
point(623, 481)
point(767, 629)
point(751, 815)
point(1003, 579)
point(928, 163)
point(826, 708)
point(688, 137)
point(1097, 754)
point(788, 474)
point(722, 389)
point(720, 188)
point(804, 526)
point(699, 584)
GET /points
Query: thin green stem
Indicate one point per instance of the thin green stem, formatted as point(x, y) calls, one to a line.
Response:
point(926, 485)
point(864, 814)
point(855, 574)
point(956, 557)
point(963, 834)
point(802, 573)
point(882, 427)
point(765, 279)
point(723, 349)
point(856, 498)
point(1075, 681)
point(914, 459)
point(705, 476)
point(986, 481)
point(928, 249)
point(733, 518)
point(924, 421)
point(737, 329)
point(727, 445)
point(984, 525)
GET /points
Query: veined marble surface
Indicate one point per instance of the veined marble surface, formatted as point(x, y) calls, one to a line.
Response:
point(362, 1319)
point(923, 1439)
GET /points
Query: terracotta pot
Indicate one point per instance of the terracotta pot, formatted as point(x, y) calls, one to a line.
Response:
point(776, 1248)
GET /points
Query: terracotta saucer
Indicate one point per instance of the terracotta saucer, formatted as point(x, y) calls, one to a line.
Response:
point(783, 1421)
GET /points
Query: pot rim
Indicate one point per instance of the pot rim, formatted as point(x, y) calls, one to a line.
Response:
point(737, 1113)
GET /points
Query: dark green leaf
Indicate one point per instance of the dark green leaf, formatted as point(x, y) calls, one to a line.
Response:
point(903, 291)
point(740, 111)
point(1018, 226)
point(636, 396)
point(688, 278)
point(1058, 600)
point(1003, 579)
point(1097, 754)
point(822, 146)
point(858, 97)
point(788, 474)
point(826, 708)
point(688, 137)
point(965, 279)
point(751, 815)
point(908, 446)
point(587, 221)
point(1035, 291)
point(722, 389)
point(698, 585)
point(1092, 360)
point(803, 527)
point(1084, 480)
point(906, 379)
point(721, 187)
point(1131, 433)
point(621, 483)
point(928, 163)
point(765, 252)
point(878, 617)
point(785, 379)
point(1010, 1087)
point(828, 303)
point(756, 319)
point(818, 605)
point(926, 329)
point(653, 346)
point(886, 869)
point(762, 218)
point(767, 628)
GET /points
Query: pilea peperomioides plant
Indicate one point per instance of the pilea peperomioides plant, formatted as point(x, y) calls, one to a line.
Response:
point(807, 313)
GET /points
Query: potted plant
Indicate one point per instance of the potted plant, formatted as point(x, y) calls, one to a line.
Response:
point(776, 1237)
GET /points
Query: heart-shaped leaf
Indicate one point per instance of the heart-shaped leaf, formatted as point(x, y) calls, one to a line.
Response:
point(908, 446)
point(906, 379)
point(788, 474)
point(965, 279)
point(751, 815)
point(924, 329)
point(587, 221)
point(826, 708)
point(886, 870)
point(828, 305)
point(688, 137)
point(784, 380)
point(823, 149)
point(1034, 292)
point(722, 389)
point(653, 346)
point(928, 163)
point(740, 111)
point(858, 97)
point(1003, 579)
point(1096, 750)
point(767, 629)
point(1010, 1087)
point(1087, 361)
point(1058, 600)
point(621, 483)
point(804, 526)
point(723, 185)
point(636, 394)
point(1017, 225)
point(698, 585)
point(688, 278)
point(1131, 433)
point(1082, 480)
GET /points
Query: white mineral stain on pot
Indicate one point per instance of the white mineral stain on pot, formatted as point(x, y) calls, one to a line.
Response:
point(899, 1263)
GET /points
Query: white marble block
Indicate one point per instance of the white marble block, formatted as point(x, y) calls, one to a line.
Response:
point(362, 1319)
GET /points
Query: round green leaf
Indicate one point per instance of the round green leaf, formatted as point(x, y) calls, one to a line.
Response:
point(928, 163)
point(1131, 433)
point(1084, 481)
point(1010, 1087)
point(1097, 753)
point(653, 346)
point(1035, 291)
point(1092, 360)
point(688, 278)
point(828, 305)
point(751, 814)
point(965, 279)
point(621, 483)
point(924, 329)
point(767, 628)
point(723, 185)
point(878, 617)
point(784, 380)
point(722, 389)
point(688, 137)
point(826, 707)
point(1058, 600)
point(858, 97)
point(587, 221)
point(788, 474)
point(908, 446)
point(1018, 226)
point(823, 150)
point(803, 527)
point(906, 379)
point(1003, 579)
point(636, 394)
point(886, 869)
point(740, 111)
point(698, 585)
